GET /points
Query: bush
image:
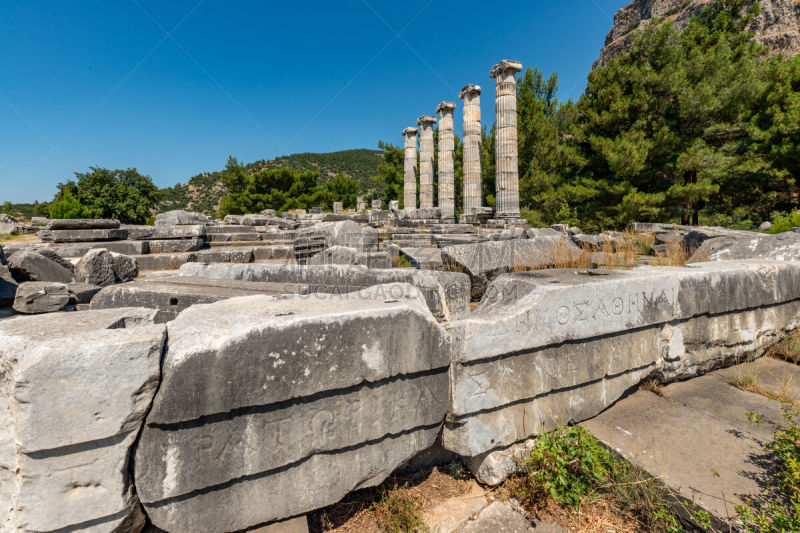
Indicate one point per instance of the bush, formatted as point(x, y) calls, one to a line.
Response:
point(564, 465)
point(67, 207)
point(781, 511)
point(785, 221)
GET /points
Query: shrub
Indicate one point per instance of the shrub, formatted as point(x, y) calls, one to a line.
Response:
point(781, 510)
point(564, 465)
point(785, 221)
point(67, 207)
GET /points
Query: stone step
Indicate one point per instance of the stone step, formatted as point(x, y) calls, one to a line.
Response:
point(696, 436)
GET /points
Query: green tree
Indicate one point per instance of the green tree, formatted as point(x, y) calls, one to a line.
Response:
point(387, 184)
point(67, 206)
point(126, 195)
point(7, 208)
point(680, 126)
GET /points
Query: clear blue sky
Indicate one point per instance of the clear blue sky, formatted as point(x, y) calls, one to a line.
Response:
point(172, 88)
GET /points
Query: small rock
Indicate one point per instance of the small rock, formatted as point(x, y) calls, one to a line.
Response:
point(765, 226)
point(36, 297)
point(96, 267)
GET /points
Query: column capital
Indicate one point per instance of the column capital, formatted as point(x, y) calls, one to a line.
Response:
point(410, 131)
point(426, 119)
point(469, 89)
point(505, 65)
point(445, 106)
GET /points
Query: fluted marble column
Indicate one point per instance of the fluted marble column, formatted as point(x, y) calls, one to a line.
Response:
point(447, 169)
point(506, 153)
point(425, 123)
point(471, 94)
point(410, 169)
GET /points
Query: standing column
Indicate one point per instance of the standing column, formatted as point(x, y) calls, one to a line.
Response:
point(506, 154)
point(447, 169)
point(410, 169)
point(471, 94)
point(425, 123)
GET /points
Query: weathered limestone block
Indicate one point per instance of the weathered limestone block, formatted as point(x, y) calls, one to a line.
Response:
point(83, 223)
point(96, 268)
point(447, 293)
point(53, 256)
point(239, 255)
point(82, 293)
point(233, 228)
point(8, 287)
point(379, 260)
point(233, 237)
point(750, 245)
point(171, 295)
point(335, 255)
point(294, 402)
point(484, 261)
point(125, 267)
point(272, 252)
point(183, 231)
point(323, 235)
point(138, 232)
point(74, 391)
point(34, 297)
point(30, 266)
point(81, 235)
point(544, 348)
point(79, 249)
point(181, 218)
point(169, 261)
point(176, 245)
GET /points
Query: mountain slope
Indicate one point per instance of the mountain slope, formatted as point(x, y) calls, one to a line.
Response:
point(778, 25)
point(203, 192)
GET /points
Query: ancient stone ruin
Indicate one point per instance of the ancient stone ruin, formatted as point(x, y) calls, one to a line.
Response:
point(204, 375)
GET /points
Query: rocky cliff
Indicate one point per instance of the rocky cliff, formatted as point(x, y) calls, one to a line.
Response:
point(778, 25)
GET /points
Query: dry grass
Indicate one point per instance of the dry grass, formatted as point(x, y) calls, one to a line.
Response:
point(11, 237)
point(599, 516)
point(654, 386)
point(746, 377)
point(564, 256)
point(676, 255)
point(400, 500)
point(787, 349)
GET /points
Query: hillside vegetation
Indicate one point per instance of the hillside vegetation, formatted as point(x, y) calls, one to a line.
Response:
point(204, 192)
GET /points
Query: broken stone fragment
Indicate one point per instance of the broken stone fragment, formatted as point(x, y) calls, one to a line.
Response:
point(34, 297)
point(82, 223)
point(75, 389)
point(179, 217)
point(302, 398)
point(30, 266)
point(96, 267)
point(125, 267)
